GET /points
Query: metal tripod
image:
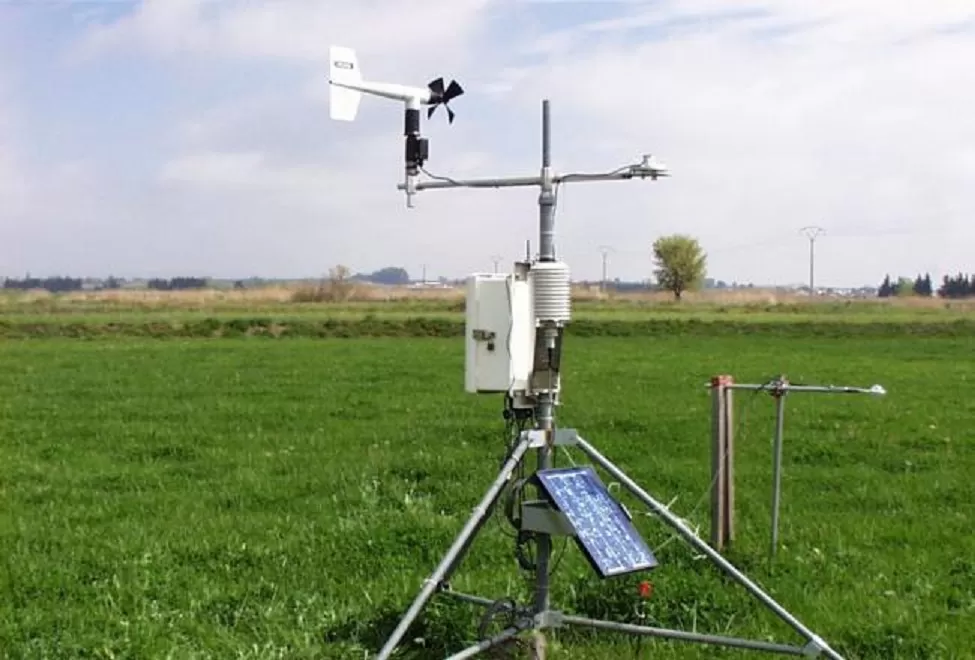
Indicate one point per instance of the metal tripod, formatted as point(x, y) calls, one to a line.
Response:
point(535, 618)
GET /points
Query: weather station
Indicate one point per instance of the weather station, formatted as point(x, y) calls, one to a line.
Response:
point(514, 329)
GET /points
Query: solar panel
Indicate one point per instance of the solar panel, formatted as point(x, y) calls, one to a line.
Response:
point(603, 531)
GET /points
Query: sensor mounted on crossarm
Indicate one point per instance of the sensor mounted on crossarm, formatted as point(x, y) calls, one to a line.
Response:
point(348, 86)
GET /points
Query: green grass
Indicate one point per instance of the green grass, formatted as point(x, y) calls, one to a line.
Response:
point(189, 315)
point(285, 499)
point(580, 312)
point(432, 326)
point(178, 308)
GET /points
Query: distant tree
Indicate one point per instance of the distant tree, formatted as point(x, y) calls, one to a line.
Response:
point(52, 284)
point(922, 286)
point(177, 283)
point(181, 283)
point(886, 289)
point(339, 283)
point(959, 286)
point(680, 264)
point(391, 275)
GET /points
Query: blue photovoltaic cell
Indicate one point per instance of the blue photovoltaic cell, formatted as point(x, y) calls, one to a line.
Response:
point(604, 533)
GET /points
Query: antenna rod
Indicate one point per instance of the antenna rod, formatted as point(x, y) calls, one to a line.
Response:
point(546, 198)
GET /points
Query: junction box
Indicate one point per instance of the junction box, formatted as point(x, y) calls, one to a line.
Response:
point(499, 332)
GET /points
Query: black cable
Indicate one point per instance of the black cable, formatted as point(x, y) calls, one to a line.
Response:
point(523, 554)
point(499, 607)
point(558, 557)
point(511, 443)
point(441, 178)
point(561, 177)
point(516, 421)
point(579, 175)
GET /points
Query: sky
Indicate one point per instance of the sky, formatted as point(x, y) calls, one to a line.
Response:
point(160, 138)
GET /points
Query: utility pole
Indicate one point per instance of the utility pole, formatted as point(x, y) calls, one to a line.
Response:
point(812, 233)
point(424, 273)
point(605, 250)
point(496, 259)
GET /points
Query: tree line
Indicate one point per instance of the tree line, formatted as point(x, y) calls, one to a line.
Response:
point(52, 284)
point(66, 284)
point(952, 287)
point(391, 275)
point(680, 265)
point(177, 283)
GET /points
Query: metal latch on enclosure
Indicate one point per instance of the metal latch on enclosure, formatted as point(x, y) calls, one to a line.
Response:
point(485, 335)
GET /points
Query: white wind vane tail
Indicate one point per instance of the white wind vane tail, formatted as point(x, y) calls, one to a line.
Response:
point(343, 69)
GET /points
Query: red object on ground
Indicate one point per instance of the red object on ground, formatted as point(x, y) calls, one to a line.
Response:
point(646, 589)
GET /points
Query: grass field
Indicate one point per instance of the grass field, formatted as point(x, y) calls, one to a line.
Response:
point(400, 302)
point(251, 498)
point(407, 313)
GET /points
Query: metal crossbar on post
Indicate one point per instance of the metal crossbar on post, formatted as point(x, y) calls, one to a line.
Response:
point(722, 449)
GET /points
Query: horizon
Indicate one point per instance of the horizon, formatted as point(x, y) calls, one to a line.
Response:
point(435, 279)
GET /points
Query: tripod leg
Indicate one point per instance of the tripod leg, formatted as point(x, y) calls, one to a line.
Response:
point(459, 547)
point(704, 548)
point(500, 638)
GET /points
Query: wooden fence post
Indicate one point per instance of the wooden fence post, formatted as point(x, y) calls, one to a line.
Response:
point(722, 462)
point(729, 460)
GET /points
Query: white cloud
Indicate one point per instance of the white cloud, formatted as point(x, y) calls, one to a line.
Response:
point(856, 122)
point(851, 114)
point(300, 30)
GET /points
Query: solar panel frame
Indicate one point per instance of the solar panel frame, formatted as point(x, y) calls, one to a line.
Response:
point(604, 533)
